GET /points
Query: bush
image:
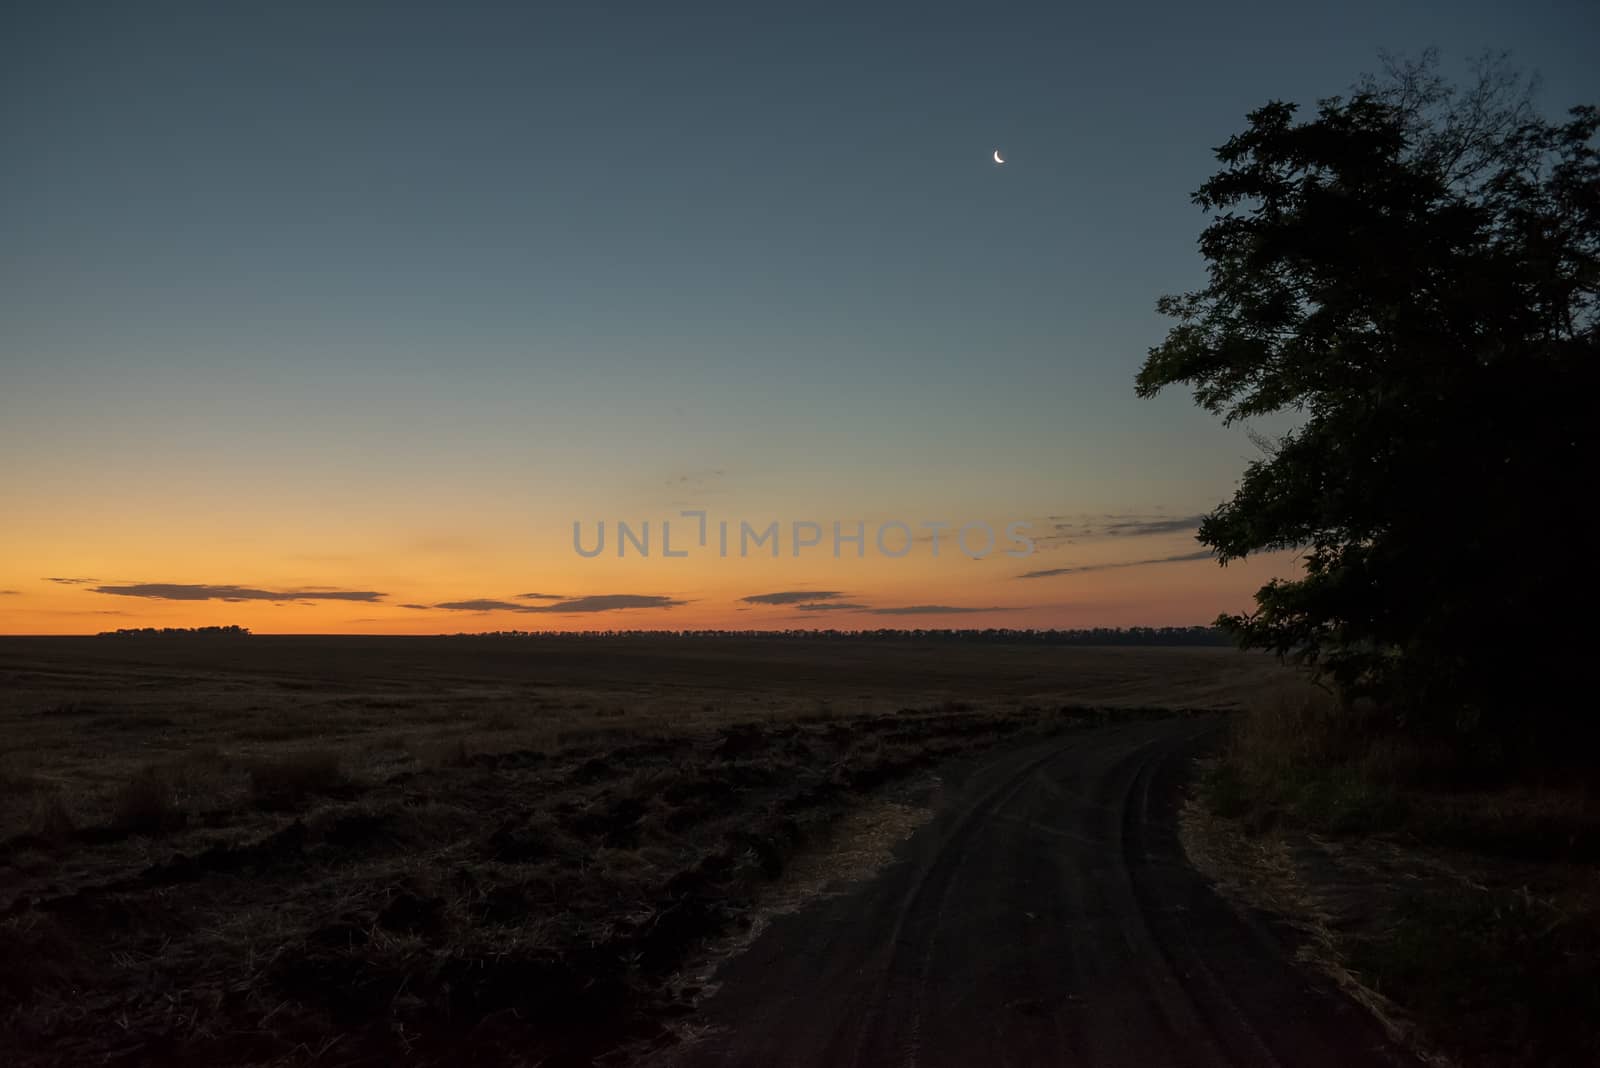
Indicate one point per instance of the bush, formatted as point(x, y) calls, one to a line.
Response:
point(1342, 802)
point(1306, 757)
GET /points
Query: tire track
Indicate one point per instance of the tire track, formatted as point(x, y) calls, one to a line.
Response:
point(1045, 916)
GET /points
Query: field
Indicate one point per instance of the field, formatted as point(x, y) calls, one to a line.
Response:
point(359, 850)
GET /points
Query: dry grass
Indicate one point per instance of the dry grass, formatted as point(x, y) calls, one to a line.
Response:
point(1269, 872)
point(1465, 915)
point(1297, 756)
point(49, 818)
point(145, 804)
point(289, 780)
point(15, 785)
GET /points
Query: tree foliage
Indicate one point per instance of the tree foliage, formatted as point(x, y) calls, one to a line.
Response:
point(1414, 271)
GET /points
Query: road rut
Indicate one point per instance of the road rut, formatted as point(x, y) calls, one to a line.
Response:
point(1045, 916)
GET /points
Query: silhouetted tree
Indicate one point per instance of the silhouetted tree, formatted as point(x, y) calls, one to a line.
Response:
point(231, 631)
point(1413, 271)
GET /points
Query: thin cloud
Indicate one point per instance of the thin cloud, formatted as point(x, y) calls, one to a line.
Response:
point(605, 602)
point(1121, 525)
point(72, 581)
point(1134, 528)
point(172, 591)
point(542, 596)
point(695, 479)
point(9, 593)
point(1060, 530)
point(690, 489)
point(419, 607)
point(833, 606)
point(76, 613)
point(792, 597)
point(610, 602)
point(486, 605)
point(1202, 554)
point(933, 610)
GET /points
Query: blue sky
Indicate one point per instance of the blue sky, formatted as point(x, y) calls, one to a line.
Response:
point(365, 254)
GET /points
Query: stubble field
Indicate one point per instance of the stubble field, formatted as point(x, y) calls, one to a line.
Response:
point(350, 851)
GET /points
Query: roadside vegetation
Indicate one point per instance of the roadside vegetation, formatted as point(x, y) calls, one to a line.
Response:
point(1411, 275)
point(1456, 895)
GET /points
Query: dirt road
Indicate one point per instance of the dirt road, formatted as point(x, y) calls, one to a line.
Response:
point(1045, 916)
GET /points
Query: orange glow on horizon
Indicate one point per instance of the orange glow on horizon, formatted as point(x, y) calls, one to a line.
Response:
point(406, 589)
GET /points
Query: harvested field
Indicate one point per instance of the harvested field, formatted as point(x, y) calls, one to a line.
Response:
point(353, 851)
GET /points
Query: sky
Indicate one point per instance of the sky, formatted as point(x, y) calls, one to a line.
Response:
point(337, 317)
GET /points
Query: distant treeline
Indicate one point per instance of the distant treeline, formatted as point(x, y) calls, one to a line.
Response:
point(1009, 635)
point(1090, 636)
point(176, 632)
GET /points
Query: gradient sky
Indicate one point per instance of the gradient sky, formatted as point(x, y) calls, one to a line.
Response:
point(373, 300)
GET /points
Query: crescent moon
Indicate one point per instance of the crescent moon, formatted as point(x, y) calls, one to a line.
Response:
point(997, 158)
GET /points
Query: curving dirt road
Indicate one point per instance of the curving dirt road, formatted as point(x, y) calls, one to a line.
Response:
point(1045, 916)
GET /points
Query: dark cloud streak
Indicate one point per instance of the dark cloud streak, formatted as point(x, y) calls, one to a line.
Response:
point(609, 602)
point(1133, 528)
point(483, 604)
point(173, 591)
point(1202, 554)
point(933, 610)
point(1065, 529)
point(792, 597)
point(604, 602)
